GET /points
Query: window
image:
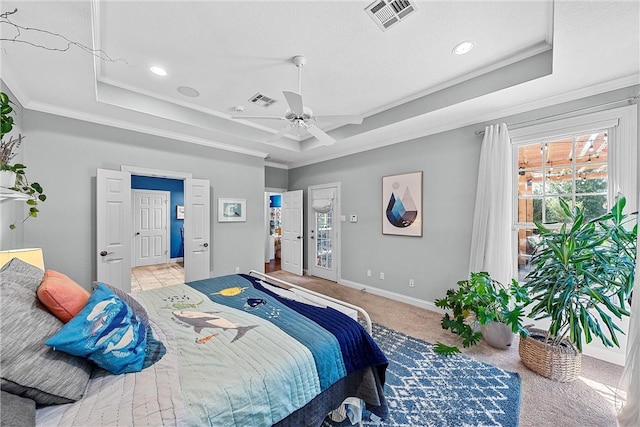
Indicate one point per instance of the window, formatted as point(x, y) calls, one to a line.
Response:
point(586, 160)
point(573, 168)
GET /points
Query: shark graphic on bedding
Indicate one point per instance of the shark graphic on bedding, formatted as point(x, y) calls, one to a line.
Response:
point(200, 320)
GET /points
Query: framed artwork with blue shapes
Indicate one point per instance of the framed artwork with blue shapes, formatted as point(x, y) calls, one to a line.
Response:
point(402, 204)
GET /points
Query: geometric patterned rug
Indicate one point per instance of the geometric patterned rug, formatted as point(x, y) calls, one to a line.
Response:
point(427, 389)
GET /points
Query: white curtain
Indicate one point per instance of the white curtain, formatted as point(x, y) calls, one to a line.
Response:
point(491, 236)
point(322, 200)
point(629, 416)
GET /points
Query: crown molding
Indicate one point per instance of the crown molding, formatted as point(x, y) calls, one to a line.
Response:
point(121, 124)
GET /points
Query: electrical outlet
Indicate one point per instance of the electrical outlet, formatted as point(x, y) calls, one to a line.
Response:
point(381, 276)
point(411, 283)
point(368, 273)
point(237, 270)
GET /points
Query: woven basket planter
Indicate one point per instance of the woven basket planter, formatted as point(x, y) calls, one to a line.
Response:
point(560, 363)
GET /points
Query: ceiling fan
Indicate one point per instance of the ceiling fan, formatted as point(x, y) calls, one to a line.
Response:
point(300, 116)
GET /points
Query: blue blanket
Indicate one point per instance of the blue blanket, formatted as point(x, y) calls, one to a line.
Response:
point(340, 346)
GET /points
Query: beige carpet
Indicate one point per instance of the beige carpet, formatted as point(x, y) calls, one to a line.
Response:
point(588, 401)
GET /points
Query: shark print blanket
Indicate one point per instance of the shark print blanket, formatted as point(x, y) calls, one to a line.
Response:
point(250, 357)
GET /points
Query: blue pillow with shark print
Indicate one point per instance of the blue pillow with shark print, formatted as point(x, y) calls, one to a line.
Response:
point(107, 332)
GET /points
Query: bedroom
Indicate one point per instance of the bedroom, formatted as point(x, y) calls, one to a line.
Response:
point(65, 144)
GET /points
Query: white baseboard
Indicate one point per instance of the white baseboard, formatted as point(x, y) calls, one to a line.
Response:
point(179, 259)
point(612, 355)
point(427, 305)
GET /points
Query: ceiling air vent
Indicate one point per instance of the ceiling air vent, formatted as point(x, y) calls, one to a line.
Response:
point(262, 100)
point(387, 13)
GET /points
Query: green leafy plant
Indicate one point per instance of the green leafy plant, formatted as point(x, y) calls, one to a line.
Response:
point(487, 300)
point(582, 275)
point(8, 150)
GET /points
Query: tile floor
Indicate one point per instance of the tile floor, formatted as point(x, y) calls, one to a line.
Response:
point(156, 276)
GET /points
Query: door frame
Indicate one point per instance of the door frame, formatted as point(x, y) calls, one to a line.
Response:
point(267, 192)
point(159, 173)
point(337, 219)
point(167, 234)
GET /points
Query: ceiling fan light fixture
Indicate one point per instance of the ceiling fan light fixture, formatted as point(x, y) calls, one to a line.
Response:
point(463, 48)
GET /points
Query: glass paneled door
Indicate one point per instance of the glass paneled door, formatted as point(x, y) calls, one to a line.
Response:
point(324, 239)
point(323, 223)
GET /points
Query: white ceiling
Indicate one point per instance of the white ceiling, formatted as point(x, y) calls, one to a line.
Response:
point(405, 81)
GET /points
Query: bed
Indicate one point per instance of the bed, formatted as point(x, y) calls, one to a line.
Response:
point(237, 350)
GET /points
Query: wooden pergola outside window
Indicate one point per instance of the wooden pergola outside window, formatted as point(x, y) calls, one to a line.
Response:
point(573, 168)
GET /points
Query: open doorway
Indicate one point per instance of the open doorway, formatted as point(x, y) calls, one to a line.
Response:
point(114, 231)
point(158, 225)
point(273, 203)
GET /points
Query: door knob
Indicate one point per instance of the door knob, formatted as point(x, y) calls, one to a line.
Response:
point(312, 237)
point(138, 233)
point(105, 253)
point(299, 237)
point(206, 245)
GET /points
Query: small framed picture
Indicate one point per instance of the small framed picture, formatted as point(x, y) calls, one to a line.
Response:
point(232, 210)
point(179, 212)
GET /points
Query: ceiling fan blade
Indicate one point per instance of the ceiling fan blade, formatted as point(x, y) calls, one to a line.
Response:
point(321, 135)
point(258, 118)
point(280, 133)
point(294, 100)
point(347, 119)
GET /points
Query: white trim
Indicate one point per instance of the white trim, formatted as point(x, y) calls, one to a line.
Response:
point(427, 305)
point(275, 165)
point(275, 190)
point(176, 260)
point(156, 173)
point(336, 228)
point(576, 124)
point(121, 124)
point(607, 354)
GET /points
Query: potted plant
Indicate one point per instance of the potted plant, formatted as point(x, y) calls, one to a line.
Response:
point(13, 176)
point(581, 277)
point(483, 301)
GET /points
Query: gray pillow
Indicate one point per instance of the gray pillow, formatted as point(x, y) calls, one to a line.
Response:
point(24, 274)
point(16, 411)
point(30, 368)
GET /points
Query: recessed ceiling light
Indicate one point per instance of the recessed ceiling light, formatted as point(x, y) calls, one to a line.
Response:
point(159, 71)
point(188, 91)
point(462, 48)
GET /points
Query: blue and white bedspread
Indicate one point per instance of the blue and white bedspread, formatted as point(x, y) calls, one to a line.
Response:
point(237, 354)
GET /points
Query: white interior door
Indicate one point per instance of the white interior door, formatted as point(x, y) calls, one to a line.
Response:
point(150, 224)
point(323, 222)
point(292, 243)
point(197, 238)
point(113, 230)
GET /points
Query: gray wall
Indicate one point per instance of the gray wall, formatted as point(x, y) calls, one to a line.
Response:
point(63, 155)
point(449, 162)
point(276, 177)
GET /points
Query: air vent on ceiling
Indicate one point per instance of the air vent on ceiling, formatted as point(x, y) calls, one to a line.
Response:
point(387, 13)
point(262, 100)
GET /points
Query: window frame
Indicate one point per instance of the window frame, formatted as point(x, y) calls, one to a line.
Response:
point(622, 159)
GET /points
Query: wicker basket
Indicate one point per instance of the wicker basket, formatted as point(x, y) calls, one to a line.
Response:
point(560, 363)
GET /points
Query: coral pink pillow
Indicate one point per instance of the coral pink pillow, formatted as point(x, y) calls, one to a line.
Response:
point(61, 295)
